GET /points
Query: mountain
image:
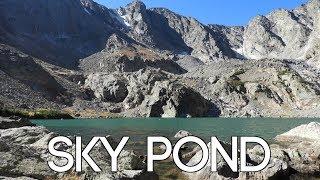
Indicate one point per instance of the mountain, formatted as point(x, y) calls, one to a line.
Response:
point(284, 34)
point(59, 31)
point(90, 60)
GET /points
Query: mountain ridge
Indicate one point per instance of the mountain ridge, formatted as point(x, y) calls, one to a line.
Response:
point(130, 61)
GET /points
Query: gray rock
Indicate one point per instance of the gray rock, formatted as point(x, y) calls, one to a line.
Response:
point(282, 34)
point(203, 63)
point(309, 131)
point(148, 93)
point(293, 155)
point(189, 63)
point(269, 88)
point(107, 88)
point(182, 134)
point(289, 159)
point(223, 170)
point(24, 155)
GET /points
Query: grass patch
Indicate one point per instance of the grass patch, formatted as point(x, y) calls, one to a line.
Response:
point(35, 114)
point(167, 170)
point(236, 84)
point(284, 72)
point(238, 72)
point(92, 114)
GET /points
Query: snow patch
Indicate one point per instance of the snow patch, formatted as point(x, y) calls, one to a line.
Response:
point(184, 53)
point(123, 19)
point(86, 10)
point(239, 53)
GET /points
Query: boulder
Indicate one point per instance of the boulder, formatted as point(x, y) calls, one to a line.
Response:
point(296, 154)
point(309, 131)
point(181, 134)
point(223, 170)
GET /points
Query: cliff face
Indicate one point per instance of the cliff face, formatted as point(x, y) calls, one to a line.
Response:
point(282, 34)
point(72, 48)
point(59, 31)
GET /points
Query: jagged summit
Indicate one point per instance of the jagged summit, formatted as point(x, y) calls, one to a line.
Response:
point(283, 34)
point(137, 5)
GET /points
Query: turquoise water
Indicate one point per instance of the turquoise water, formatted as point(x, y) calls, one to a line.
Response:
point(139, 129)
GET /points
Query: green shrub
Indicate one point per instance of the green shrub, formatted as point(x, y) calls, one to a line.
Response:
point(35, 114)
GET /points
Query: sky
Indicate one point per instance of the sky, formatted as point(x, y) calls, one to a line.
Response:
point(225, 12)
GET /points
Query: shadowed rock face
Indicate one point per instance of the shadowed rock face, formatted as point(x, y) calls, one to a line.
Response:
point(25, 69)
point(59, 31)
point(63, 31)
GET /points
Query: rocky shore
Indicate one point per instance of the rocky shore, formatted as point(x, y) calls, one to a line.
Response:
point(295, 155)
point(24, 155)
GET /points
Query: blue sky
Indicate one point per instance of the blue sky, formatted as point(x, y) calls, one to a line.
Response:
point(226, 12)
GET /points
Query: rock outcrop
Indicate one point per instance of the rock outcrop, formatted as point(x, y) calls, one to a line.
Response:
point(24, 155)
point(181, 134)
point(268, 88)
point(148, 93)
point(295, 156)
point(309, 131)
point(282, 34)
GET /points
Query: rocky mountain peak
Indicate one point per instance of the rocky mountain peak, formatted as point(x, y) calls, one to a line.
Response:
point(137, 6)
point(313, 4)
point(87, 3)
point(135, 10)
point(282, 34)
point(135, 15)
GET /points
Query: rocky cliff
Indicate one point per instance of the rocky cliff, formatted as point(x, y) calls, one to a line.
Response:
point(93, 61)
